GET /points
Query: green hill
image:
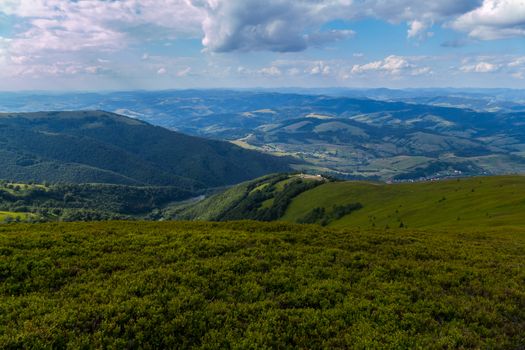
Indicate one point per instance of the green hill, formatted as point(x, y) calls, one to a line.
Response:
point(264, 199)
point(101, 147)
point(481, 202)
point(254, 285)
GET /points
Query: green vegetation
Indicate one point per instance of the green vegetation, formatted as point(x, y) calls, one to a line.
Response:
point(319, 215)
point(87, 202)
point(258, 285)
point(481, 202)
point(102, 147)
point(264, 199)
point(8, 216)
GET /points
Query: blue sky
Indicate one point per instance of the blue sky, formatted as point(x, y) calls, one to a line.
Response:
point(163, 44)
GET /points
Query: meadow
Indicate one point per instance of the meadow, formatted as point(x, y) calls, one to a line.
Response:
point(477, 203)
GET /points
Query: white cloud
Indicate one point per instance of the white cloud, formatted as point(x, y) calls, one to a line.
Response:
point(63, 25)
point(481, 67)
point(184, 72)
point(391, 64)
point(320, 68)
point(421, 71)
point(272, 71)
point(161, 71)
point(417, 29)
point(495, 19)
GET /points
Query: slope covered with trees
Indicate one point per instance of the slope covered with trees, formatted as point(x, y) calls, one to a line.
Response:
point(101, 147)
point(85, 202)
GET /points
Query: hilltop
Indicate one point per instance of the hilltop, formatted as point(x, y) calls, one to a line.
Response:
point(102, 147)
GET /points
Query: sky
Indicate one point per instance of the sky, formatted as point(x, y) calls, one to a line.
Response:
point(97, 45)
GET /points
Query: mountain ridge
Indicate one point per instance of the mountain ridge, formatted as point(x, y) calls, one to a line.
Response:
point(120, 149)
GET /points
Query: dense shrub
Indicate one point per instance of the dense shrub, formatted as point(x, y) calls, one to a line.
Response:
point(258, 285)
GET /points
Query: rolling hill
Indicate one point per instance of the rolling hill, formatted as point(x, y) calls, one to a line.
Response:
point(352, 134)
point(479, 202)
point(101, 147)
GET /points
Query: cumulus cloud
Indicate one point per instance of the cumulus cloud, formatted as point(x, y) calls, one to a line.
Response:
point(481, 67)
point(320, 68)
point(283, 26)
point(64, 25)
point(234, 25)
point(418, 29)
point(392, 64)
point(274, 25)
point(510, 65)
point(272, 71)
point(495, 19)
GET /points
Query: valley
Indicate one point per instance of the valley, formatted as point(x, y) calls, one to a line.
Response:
point(346, 134)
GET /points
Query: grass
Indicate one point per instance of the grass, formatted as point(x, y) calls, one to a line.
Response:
point(482, 202)
point(13, 215)
point(254, 285)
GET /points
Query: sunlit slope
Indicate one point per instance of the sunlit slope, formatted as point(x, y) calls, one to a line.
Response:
point(461, 203)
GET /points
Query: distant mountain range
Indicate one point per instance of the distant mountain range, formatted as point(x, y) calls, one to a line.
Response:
point(101, 147)
point(380, 133)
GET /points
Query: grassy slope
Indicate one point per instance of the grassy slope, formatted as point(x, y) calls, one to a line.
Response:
point(480, 202)
point(13, 215)
point(255, 285)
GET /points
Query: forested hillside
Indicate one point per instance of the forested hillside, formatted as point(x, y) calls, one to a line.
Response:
point(100, 147)
point(85, 202)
